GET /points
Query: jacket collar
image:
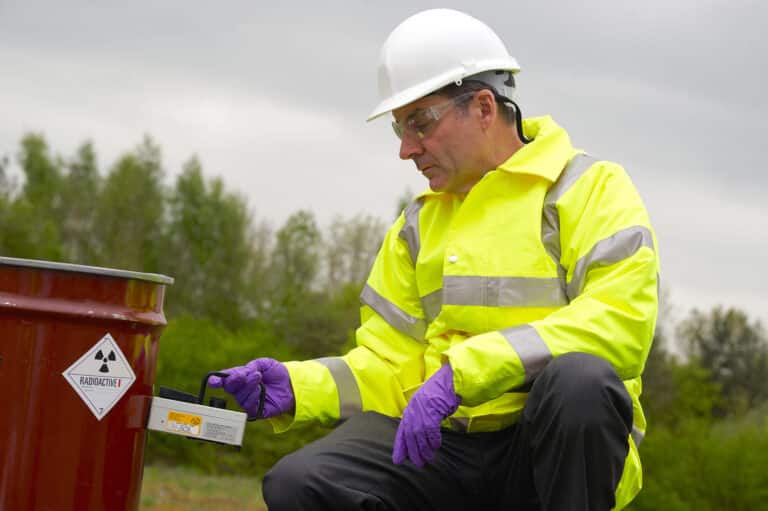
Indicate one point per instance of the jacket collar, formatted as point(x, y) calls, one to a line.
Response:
point(546, 155)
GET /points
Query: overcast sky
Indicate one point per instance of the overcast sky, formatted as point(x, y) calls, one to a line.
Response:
point(273, 99)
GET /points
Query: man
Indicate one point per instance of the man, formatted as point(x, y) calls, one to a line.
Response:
point(505, 322)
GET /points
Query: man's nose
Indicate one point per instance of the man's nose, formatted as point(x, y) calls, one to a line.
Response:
point(410, 146)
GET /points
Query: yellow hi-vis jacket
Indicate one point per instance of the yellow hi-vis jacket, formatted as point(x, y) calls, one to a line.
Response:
point(550, 253)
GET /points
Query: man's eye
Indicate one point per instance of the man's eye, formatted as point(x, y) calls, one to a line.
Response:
point(421, 126)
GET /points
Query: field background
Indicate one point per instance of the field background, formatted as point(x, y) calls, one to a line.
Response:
point(182, 489)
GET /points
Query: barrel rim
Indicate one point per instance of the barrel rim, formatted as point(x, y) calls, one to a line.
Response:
point(81, 268)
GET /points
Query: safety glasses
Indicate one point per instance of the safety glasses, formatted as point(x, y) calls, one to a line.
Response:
point(421, 121)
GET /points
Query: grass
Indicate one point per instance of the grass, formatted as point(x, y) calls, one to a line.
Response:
point(182, 489)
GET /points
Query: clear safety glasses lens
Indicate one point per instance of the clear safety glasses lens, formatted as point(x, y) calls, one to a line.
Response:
point(421, 121)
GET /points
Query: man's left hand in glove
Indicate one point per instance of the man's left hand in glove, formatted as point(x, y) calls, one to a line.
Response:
point(419, 436)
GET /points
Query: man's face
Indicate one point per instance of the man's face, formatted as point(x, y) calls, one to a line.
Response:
point(447, 150)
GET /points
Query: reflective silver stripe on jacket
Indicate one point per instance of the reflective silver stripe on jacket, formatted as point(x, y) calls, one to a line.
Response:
point(530, 347)
point(503, 291)
point(410, 230)
point(637, 435)
point(432, 303)
point(610, 250)
point(550, 222)
point(394, 315)
point(460, 424)
point(350, 401)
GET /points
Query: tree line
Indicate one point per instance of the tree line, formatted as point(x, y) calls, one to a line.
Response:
point(244, 289)
point(228, 268)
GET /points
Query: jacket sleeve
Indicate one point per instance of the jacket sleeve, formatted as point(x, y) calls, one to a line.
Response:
point(387, 362)
point(608, 260)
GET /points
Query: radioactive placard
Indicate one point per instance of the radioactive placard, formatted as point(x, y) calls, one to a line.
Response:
point(101, 376)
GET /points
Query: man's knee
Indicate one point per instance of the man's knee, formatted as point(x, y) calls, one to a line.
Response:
point(577, 372)
point(582, 387)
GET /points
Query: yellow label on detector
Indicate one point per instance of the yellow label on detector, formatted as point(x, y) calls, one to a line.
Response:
point(184, 423)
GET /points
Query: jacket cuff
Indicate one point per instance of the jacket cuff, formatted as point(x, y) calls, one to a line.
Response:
point(484, 367)
point(314, 391)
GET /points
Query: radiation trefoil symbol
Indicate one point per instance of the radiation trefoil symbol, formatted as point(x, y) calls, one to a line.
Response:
point(104, 366)
point(101, 376)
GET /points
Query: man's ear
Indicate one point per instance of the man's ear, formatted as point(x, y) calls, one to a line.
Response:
point(487, 107)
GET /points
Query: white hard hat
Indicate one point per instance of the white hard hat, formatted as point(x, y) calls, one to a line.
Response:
point(432, 49)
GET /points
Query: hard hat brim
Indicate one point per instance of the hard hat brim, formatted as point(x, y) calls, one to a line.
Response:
point(423, 89)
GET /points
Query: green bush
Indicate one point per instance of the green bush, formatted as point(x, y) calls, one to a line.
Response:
point(706, 467)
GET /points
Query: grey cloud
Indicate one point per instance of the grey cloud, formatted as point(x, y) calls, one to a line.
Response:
point(672, 90)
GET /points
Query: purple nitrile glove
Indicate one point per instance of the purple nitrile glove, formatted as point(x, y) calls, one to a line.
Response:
point(244, 382)
point(418, 436)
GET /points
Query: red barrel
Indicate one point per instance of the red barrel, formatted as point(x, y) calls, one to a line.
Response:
point(78, 354)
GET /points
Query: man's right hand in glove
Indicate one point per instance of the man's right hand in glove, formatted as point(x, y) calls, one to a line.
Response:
point(244, 383)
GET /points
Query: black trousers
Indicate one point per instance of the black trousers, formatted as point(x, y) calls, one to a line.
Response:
point(567, 452)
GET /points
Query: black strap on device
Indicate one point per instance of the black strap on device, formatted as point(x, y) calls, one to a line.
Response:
point(221, 403)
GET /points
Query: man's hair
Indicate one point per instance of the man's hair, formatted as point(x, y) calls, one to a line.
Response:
point(452, 90)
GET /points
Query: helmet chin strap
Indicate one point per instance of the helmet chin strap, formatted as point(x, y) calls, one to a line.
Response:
point(519, 123)
point(518, 120)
